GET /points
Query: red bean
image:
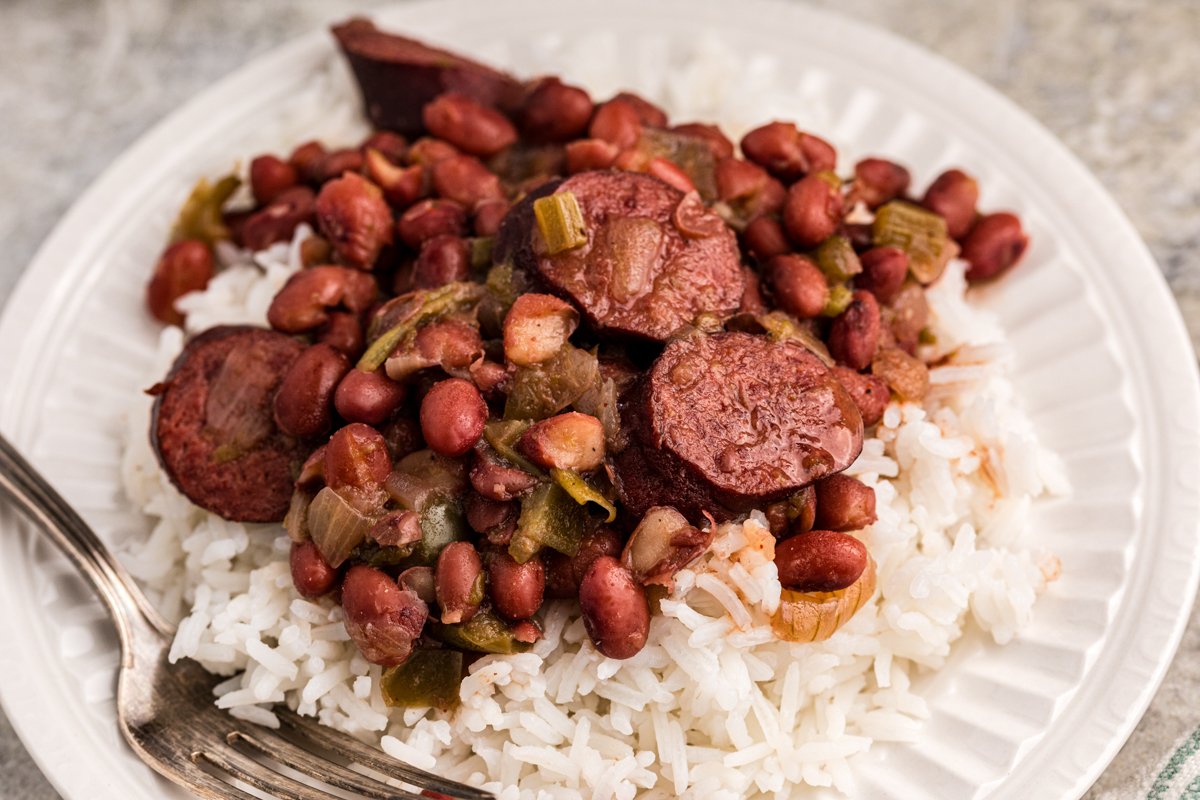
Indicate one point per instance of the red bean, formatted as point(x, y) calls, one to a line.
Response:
point(516, 589)
point(427, 151)
point(800, 286)
point(452, 417)
point(403, 437)
point(748, 188)
point(670, 173)
point(854, 334)
point(820, 561)
point(357, 463)
point(368, 397)
point(616, 122)
point(788, 153)
point(402, 186)
point(381, 617)
point(555, 112)
point(877, 180)
point(602, 541)
point(765, 238)
point(584, 155)
point(869, 393)
point(993, 246)
point(616, 613)
point(488, 216)
point(647, 112)
point(455, 580)
point(469, 126)
point(269, 176)
point(311, 574)
point(953, 195)
point(813, 209)
point(717, 141)
point(752, 299)
point(315, 250)
point(302, 302)
point(278, 221)
point(465, 180)
point(392, 145)
point(536, 327)
point(442, 259)
point(430, 218)
point(339, 162)
point(844, 504)
point(497, 482)
point(883, 272)
point(485, 515)
point(355, 218)
point(185, 266)
point(304, 401)
point(342, 330)
point(306, 158)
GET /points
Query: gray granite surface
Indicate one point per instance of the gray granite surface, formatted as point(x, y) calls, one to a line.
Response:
point(1117, 80)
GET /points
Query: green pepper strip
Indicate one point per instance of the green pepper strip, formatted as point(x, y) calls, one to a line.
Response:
point(582, 491)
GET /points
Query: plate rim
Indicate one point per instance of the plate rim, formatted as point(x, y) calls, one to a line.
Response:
point(33, 291)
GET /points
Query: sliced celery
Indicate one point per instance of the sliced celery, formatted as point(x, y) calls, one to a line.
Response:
point(560, 221)
point(919, 233)
point(201, 216)
point(839, 300)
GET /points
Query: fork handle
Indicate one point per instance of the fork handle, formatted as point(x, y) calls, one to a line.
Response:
point(127, 606)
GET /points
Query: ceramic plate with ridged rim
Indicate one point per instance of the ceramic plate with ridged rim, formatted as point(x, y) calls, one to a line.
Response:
point(1104, 368)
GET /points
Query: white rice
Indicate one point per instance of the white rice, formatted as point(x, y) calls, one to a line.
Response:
point(714, 706)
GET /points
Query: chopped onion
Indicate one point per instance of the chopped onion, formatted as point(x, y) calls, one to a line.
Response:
point(336, 526)
point(814, 616)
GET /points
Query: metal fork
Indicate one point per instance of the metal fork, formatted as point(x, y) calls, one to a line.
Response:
point(166, 711)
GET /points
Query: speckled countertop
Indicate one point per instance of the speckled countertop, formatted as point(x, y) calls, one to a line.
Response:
point(1117, 80)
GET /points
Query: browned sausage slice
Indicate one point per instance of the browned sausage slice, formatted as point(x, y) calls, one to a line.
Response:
point(398, 76)
point(214, 428)
point(653, 260)
point(732, 421)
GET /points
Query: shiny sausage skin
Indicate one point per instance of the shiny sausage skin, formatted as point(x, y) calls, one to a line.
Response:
point(213, 427)
point(398, 76)
point(730, 422)
point(654, 257)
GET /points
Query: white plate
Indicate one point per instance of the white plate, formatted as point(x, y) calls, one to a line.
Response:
point(1104, 366)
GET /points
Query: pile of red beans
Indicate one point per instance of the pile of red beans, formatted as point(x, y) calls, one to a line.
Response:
point(410, 441)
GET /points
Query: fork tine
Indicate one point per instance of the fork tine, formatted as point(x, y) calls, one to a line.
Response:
point(354, 750)
point(208, 786)
point(283, 751)
point(260, 776)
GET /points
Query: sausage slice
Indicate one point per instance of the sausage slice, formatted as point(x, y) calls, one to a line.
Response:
point(213, 427)
point(729, 422)
point(653, 260)
point(398, 76)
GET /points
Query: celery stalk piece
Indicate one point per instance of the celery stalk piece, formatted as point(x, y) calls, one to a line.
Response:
point(839, 299)
point(560, 221)
point(919, 233)
point(837, 259)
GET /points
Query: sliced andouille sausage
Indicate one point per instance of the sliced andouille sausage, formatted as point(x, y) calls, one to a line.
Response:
point(653, 258)
point(729, 422)
point(398, 76)
point(214, 427)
